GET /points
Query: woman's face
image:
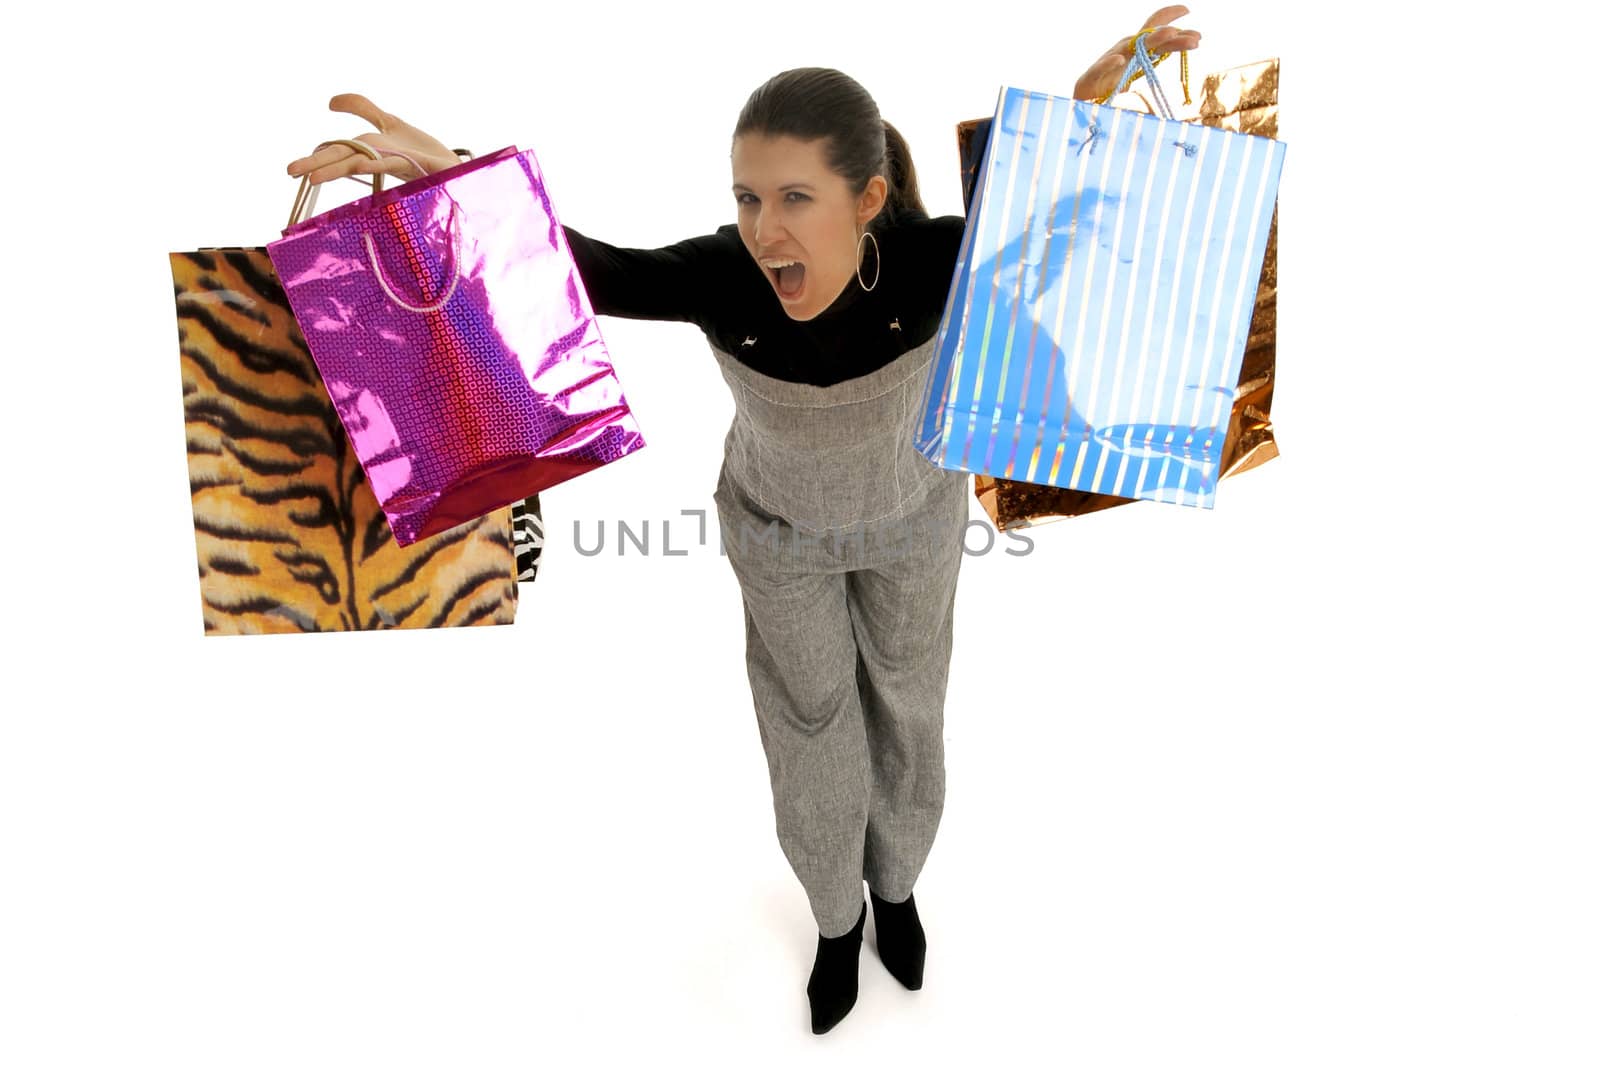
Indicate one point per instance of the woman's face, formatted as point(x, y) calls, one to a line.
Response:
point(793, 209)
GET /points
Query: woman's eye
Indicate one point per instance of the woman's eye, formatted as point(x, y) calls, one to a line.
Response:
point(750, 198)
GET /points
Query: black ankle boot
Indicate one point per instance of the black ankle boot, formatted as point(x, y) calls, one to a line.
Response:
point(834, 976)
point(902, 946)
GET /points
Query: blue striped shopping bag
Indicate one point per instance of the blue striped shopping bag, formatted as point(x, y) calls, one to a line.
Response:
point(1097, 318)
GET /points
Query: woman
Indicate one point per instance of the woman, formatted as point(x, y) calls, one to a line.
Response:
point(820, 304)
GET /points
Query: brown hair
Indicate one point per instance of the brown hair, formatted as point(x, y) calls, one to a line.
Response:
point(808, 103)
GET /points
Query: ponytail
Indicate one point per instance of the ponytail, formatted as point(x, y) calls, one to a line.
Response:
point(905, 199)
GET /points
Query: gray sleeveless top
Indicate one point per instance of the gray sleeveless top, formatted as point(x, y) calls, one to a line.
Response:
point(834, 457)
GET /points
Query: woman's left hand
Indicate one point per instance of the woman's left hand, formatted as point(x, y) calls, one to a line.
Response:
point(1102, 77)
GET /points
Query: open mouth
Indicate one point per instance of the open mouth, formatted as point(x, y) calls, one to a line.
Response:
point(789, 280)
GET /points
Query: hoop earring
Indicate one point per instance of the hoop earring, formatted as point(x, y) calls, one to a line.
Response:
point(877, 258)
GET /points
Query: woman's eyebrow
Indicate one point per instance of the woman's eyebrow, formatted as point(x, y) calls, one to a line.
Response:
point(782, 188)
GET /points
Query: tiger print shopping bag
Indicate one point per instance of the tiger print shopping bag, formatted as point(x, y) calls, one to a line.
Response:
point(288, 534)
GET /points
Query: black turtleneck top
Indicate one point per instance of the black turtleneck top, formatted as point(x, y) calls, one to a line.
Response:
point(713, 282)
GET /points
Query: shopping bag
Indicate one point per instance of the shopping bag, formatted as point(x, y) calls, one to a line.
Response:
point(1095, 324)
point(457, 341)
point(1243, 98)
point(288, 535)
point(527, 537)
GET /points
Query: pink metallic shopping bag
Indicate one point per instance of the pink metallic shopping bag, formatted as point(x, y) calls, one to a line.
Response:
point(456, 341)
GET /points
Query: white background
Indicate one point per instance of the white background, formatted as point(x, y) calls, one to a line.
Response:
point(1305, 779)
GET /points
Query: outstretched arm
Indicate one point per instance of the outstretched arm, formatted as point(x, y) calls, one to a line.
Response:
point(640, 283)
point(670, 283)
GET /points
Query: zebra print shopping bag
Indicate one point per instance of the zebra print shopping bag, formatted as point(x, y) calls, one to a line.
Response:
point(1094, 329)
point(527, 534)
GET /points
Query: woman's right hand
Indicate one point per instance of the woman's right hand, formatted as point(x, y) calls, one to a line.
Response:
point(1104, 73)
point(394, 134)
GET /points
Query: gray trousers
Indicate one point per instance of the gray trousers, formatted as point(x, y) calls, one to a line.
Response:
point(847, 545)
